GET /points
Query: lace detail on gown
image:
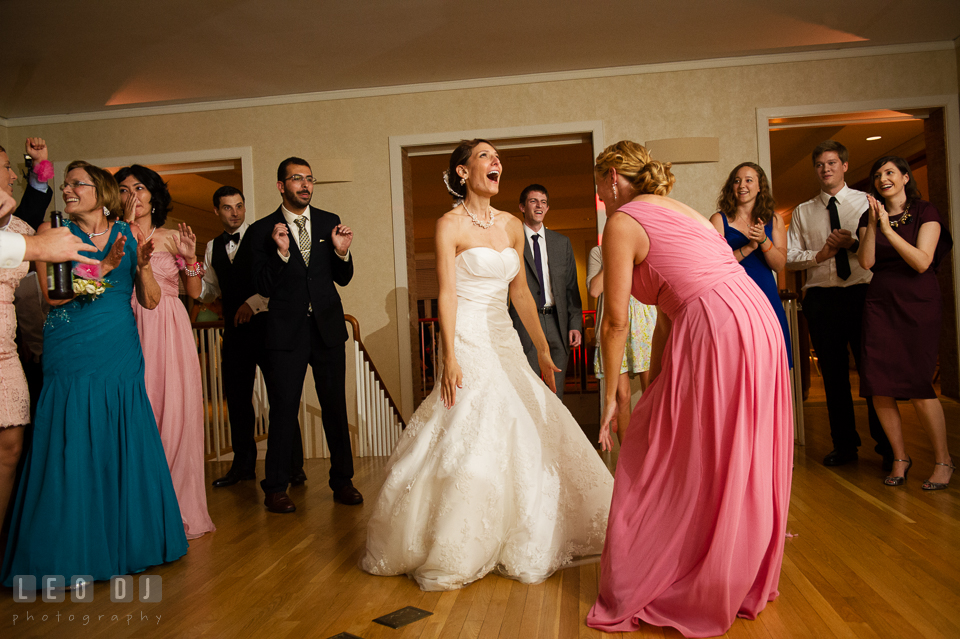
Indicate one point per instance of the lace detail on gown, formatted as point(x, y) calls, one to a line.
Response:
point(14, 396)
point(505, 480)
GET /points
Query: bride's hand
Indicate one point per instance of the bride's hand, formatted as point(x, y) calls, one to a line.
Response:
point(547, 370)
point(608, 424)
point(450, 381)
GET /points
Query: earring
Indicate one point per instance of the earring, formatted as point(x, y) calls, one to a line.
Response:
point(153, 210)
point(106, 212)
point(615, 195)
point(463, 180)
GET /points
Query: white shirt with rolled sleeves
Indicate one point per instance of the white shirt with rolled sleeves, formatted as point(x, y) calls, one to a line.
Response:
point(12, 249)
point(808, 232)
point(211, 284)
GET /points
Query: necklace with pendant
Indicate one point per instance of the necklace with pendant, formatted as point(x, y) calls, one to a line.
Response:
point(903, 220)
point(476, 220)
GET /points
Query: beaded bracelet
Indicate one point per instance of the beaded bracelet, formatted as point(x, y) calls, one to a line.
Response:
point(182, 265)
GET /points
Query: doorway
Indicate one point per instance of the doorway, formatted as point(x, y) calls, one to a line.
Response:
point(920, 134)
point(558, 156)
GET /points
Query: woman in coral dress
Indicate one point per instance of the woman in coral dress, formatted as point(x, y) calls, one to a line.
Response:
point(697, 523)
point(169, 350)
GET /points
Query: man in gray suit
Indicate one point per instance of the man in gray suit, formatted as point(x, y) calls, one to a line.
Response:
point(552, 277)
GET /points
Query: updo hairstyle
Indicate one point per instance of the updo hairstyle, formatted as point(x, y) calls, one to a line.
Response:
point(108, 191)
point(633, 162)
point(460, 157)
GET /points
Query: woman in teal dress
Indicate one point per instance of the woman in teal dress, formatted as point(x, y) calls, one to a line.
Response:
point(755, 233)
point(95, 498)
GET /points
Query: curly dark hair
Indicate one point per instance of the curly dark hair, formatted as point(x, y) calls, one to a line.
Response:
point(762, 207)
point(160, 198)
point(910, 188)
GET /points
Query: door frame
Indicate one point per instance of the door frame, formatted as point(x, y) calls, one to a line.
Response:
point(400, 143)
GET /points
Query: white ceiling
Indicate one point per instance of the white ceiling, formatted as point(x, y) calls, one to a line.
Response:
point(72, 56)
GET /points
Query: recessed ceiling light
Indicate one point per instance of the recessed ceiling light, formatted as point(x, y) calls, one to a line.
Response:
point(872, 138)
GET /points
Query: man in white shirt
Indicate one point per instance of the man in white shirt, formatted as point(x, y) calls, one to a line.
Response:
point(822, 240)
point(229, 277)
point(552, 278)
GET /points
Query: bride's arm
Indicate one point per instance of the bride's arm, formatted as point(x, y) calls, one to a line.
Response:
point(523, 301)
point(446, 251)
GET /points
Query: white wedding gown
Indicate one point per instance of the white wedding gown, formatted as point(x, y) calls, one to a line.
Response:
point(504, 480)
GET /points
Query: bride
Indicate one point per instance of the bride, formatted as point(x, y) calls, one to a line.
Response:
point(493, 473)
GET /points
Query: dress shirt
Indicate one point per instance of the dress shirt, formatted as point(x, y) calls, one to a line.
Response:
point(35, 182)
point(211, 283)
point(809, 230)
point(529, 233)
point(12, 249)
point(295, 232)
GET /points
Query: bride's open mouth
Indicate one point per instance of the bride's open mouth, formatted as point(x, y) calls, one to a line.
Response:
point(493, 176)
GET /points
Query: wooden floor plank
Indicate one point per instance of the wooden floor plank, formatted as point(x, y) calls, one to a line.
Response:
point(868, 561)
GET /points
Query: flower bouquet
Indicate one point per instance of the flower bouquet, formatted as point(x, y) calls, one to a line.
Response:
point(88, 285)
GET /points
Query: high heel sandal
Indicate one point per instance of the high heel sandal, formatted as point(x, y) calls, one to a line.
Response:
point(929, 485)
point(898, 481)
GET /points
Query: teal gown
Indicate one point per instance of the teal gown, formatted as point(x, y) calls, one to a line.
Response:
point(95, 497)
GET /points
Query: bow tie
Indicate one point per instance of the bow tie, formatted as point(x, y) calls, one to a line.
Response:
point(235, 238)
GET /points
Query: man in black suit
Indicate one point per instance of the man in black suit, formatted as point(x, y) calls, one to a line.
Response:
point(300, 254)
point(552, 277)
point(229, 277)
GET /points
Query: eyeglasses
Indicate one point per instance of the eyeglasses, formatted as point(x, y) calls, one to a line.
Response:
point(73, 185)
point(300, 179)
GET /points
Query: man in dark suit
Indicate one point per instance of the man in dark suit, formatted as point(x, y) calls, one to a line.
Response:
point(229, 277)
point(300, 254)
point(552, 277)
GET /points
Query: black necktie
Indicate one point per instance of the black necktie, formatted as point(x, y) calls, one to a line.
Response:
point(843, 260)
point(235, 238)
point(538, 261)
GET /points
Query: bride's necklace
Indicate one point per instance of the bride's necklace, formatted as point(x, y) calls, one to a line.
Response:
point(476, 220)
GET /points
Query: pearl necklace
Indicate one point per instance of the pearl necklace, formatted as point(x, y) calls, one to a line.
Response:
point(476, 220)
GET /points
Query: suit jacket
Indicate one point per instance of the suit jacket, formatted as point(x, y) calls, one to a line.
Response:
point(293, 287)
point(33, 206)
point(563, 281)
point(235, 280)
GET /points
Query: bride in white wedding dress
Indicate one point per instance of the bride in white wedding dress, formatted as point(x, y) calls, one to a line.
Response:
point(493, 472)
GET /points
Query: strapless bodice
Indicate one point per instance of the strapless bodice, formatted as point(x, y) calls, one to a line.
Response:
point(484, 274)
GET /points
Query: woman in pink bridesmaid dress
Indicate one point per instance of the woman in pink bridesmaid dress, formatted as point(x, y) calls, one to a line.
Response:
point(170, 354)
point(696, 529)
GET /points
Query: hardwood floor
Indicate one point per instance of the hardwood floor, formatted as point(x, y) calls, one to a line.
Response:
point(865, 561)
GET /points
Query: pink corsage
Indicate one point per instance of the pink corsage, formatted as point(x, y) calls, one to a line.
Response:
point(43, 170)
point(191, 272)
point(87, 283)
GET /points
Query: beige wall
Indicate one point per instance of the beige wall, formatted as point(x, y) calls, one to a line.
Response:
point(711, 102)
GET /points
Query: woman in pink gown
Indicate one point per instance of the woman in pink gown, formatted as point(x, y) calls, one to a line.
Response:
point(696, 529)
point(170, 354)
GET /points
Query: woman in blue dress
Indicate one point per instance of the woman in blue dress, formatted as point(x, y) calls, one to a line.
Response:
point(756, 234)
point(95, 498)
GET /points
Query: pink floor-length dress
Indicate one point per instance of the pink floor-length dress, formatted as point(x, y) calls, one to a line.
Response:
point(696, 530)
point(172, 372)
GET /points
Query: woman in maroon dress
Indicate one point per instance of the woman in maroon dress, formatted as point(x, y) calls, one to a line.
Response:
point(902, 240)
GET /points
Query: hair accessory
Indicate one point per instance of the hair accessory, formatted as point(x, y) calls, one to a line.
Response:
point(106, 212)
point(43, 170)
point(446, 181)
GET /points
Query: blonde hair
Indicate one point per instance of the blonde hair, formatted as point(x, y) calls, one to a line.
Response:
point(108, 191)
point(633, 162)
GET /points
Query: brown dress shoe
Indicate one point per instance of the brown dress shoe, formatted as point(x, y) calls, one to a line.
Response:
point(298, 478)
point(279, 503)
point(347, 495)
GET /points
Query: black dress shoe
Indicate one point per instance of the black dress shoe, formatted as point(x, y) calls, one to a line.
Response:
point(347, 495)
point(839, 457)
point(279, 503)
point(232, 478)
point(298, 478)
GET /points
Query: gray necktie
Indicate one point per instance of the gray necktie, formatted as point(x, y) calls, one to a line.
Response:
point(304, 239)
